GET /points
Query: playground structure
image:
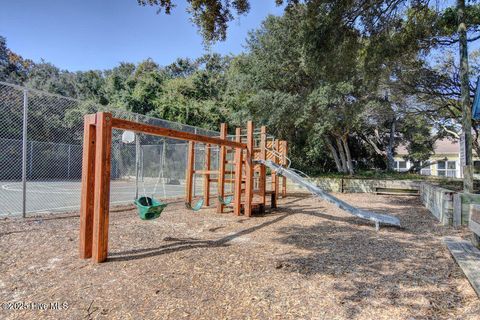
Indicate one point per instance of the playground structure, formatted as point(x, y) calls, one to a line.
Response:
point(243, 162)
point(237, 172)
point(247, 176)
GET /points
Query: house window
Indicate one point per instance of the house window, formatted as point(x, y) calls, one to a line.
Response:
point(447, 168)
point(426, 169)
point(400, 165)
point(476, 167)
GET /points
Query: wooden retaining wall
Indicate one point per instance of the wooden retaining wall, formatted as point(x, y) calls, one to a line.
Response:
point(348, 185)
point(438, 201)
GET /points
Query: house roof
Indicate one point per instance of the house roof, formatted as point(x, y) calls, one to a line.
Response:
point(442, 146)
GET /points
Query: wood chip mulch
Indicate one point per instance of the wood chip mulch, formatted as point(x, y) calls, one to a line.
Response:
point(306, 260)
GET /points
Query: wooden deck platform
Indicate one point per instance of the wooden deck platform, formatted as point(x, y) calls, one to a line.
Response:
point(467, 257)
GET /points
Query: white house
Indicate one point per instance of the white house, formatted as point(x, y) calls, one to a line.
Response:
point(446, 160)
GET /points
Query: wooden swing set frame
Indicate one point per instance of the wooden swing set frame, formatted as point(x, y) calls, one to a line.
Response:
point(95, 193)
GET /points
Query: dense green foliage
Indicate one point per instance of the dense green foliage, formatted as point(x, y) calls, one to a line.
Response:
point(344, 86)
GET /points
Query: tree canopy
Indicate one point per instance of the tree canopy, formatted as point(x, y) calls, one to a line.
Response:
point(345, 82)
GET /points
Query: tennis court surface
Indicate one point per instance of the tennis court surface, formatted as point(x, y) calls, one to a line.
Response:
point(61, 196)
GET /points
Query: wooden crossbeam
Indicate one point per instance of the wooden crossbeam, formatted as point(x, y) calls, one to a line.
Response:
point(175, 134)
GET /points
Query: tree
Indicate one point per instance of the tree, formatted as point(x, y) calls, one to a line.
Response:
point(465, 98)
point(13, 67)
point(279, 78)
point(91, 86)
point(181, 68)
point(47, 77)
point(342, 81)
point(338, 112)
point(211, 16)
point(450, 91)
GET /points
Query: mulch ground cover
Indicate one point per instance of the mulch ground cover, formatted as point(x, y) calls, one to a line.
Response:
point(305, 260)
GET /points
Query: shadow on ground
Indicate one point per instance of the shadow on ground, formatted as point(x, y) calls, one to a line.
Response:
point(374, 265)
point(188, 243)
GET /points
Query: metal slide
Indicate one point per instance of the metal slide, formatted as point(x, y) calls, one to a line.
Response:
point(315, 190)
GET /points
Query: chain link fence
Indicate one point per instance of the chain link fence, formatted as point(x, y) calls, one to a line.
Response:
point(41, 137)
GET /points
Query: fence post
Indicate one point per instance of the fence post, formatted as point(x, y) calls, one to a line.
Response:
point(24, 153)
point(194, 168)
point(69, 161)
point(137, 159)
point(30, 162)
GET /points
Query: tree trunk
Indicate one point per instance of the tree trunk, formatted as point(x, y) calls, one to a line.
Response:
point(348, 154)
point(390, 146)
point(334, 154)
point(342, 154)
point(465, 98)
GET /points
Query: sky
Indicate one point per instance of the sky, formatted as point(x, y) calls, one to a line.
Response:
point(98, 34)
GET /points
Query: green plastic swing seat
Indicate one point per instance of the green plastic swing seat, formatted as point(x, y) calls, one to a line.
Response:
point(225, 201)
point(149, 208)
point(197, 206)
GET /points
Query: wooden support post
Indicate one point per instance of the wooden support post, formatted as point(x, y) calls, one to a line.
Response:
point(273, 201)
point(249, 171)
point(273, 174)
point(206, 177)
point(284, 149)
point(221, 168)
point(263, 169)
point(237, 198)
point(189, 172)
point(276, 183)
point(88, 183)
point(102, 185)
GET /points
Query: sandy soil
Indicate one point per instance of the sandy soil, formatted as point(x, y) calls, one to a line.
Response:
point(307, 260)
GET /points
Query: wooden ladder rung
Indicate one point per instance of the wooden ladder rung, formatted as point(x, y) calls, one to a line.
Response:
point(232, 180)
point(205, 171)
point(232, 162)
